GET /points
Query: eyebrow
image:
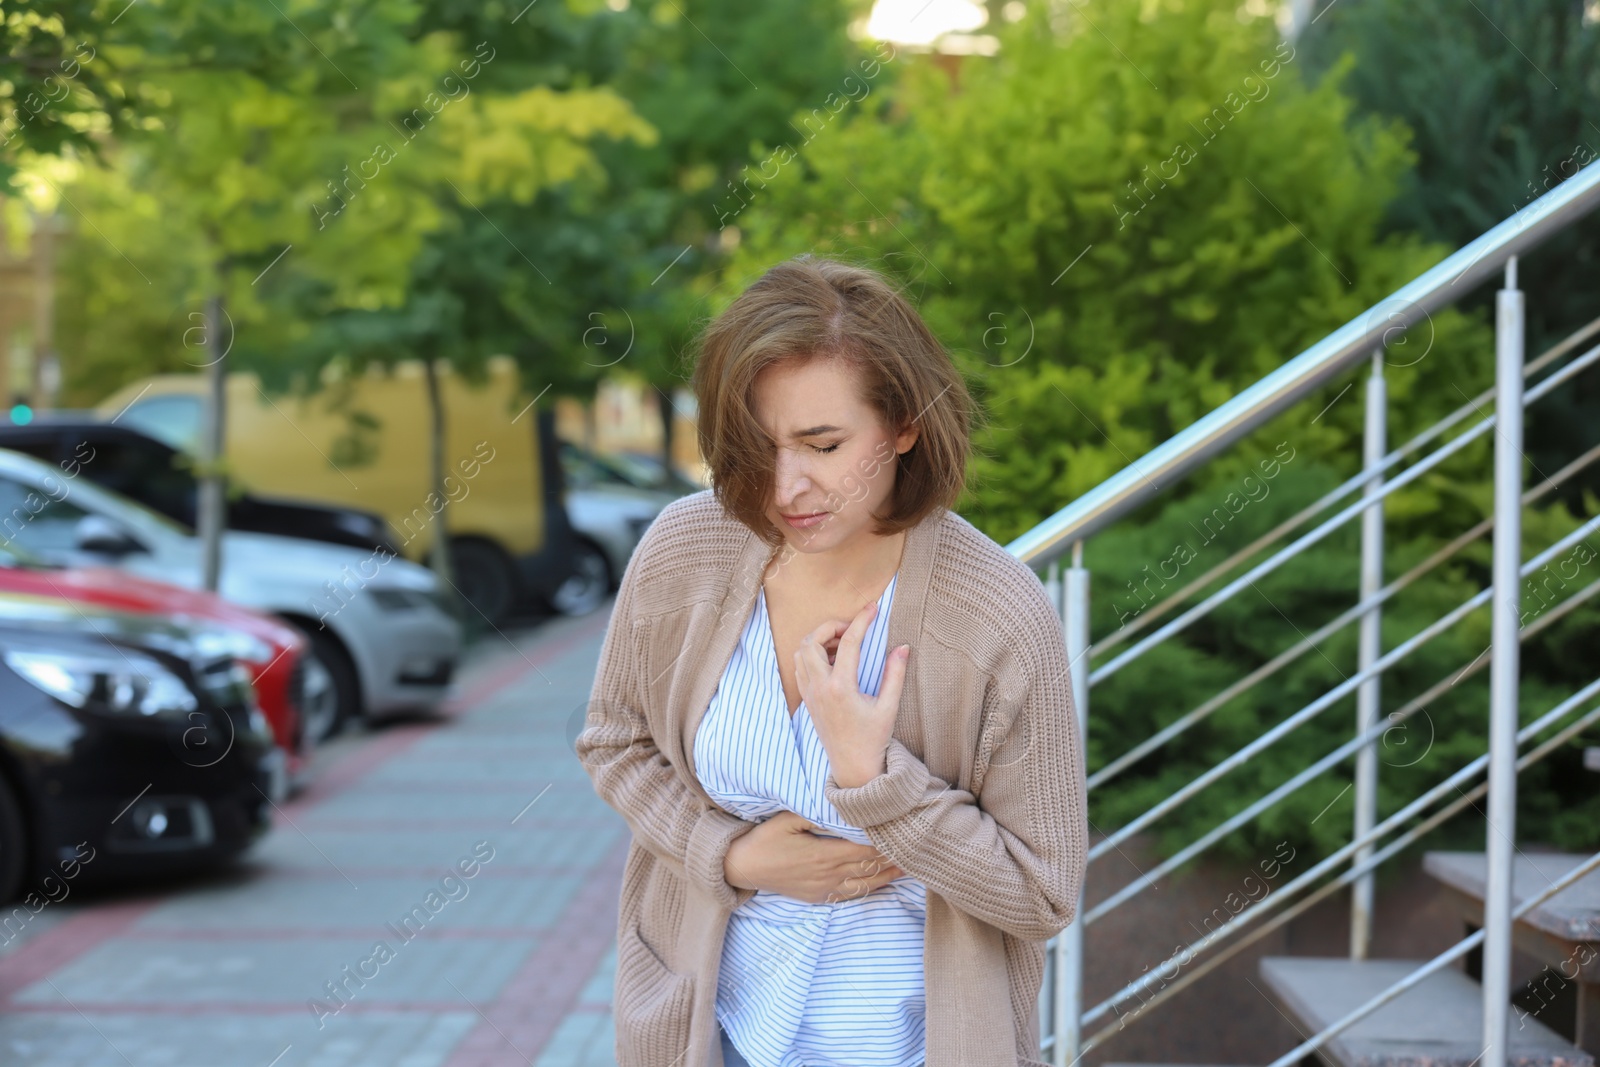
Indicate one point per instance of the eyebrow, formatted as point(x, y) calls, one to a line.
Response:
point(816, 431)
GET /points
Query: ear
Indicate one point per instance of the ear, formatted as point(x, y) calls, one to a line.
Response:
point(906, 438)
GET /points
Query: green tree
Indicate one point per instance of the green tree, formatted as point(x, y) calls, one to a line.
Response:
point(57, 89)
point(263, 148)
point(1116, 226)
point(1504, 101)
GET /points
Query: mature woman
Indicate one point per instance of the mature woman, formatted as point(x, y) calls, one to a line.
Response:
point(836, 717)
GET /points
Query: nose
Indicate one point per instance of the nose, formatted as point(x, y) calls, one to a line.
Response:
point(792, 477)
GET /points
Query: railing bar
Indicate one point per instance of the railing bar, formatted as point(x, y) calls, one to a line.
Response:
point(1350, 485)
point(1344, 851)
point(1459, 949)
point(1310, 538)
point(1300, 648)
point(1238, 819)
point(1389, 658)
point(1322, 892)
point(1449, 280)
point(1556, 351)
point(1338, 755)
point(1283, 555)
point(1556, 378)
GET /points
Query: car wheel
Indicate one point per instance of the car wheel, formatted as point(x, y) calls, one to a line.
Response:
point(13, 844)
point(484, 577)
point(319, 701)
point(586, 588)
point(329, 712)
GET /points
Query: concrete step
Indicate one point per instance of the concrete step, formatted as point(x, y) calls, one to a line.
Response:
point(1572, 914)
point(1436, 1023)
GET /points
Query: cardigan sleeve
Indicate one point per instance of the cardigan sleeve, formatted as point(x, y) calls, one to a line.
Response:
point(1014, 856)
point(633, 776)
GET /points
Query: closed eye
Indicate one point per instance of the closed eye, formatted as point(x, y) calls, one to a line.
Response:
point(831, 448)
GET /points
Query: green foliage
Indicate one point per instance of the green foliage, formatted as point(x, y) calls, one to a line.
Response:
point(306, 188)
point(1504, 99)
point(1116, 227)
point(57, 88)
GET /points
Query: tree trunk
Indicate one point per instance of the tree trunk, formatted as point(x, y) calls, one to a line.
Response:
point(439, 549)
point(212, 505)
point(664, 404)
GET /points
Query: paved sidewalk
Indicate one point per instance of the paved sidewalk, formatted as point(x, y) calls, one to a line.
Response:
point(351, 935)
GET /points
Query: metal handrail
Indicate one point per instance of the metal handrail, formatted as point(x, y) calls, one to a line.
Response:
point(1344, 852)
point(1454, 952)
point(1204, 710)
point(1372, 862)
point(1444, 283)
point(1328, 526)
point(1352, 484)
point(1327, 699)
point(1332, 759)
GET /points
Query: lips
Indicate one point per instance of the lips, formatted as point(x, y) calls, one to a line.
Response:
point(804, 520)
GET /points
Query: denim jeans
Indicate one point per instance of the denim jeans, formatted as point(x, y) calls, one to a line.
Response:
point(730, 1055)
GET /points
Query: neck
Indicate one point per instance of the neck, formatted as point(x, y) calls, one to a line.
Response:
point(864, 562)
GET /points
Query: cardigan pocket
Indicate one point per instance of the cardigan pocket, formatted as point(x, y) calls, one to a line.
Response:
point(654, 1005)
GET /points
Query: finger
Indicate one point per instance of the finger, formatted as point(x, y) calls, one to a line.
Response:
point(854, 886)
point(894, 678)
point(849, 655)
point(826, 639)
point(849, 853)
point(812, 658)
point(884, 877)
point(791, 821)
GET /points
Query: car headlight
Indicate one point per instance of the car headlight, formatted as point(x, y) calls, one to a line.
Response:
point(235, 643)
point(119, 680)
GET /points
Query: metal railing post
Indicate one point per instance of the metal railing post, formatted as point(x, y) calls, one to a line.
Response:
point(1052, 588)
point(1047, 988)
point(1370, 648)
point(1069, 944)
point(1504, 670)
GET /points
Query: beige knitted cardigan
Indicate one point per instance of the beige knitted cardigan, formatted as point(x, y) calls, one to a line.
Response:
point(983, 798)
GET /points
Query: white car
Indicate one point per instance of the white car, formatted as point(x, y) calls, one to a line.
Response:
point(375, 621)
point(610, 504)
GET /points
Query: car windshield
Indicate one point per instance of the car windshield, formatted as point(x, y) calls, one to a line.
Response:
point(635, 470)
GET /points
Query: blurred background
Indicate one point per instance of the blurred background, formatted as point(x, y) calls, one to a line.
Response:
point(344, 358)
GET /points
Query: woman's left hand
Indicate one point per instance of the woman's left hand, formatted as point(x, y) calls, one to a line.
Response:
point(854, 728)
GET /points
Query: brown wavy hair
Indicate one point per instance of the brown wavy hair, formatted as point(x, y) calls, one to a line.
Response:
point(814, 308)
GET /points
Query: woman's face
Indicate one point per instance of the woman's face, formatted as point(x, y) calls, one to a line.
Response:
point(835, 460)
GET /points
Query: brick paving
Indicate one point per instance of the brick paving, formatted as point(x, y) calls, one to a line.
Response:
point(277, 962)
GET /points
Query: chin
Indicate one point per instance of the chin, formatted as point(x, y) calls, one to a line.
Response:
point(829, 535)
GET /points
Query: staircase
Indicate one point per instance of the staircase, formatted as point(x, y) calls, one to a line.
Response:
point(1457, 1009)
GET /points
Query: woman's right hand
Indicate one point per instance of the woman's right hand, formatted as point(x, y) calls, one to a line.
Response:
point(785, 855)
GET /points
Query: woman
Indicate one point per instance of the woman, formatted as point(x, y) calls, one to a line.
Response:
point(836, 717)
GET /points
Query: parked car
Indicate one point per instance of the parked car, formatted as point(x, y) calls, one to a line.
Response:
point(292, 689)
point(365, 444)
point(375, 622)
point(611, 503)
point(124, 750)
point(161, 477)
point(650, 472)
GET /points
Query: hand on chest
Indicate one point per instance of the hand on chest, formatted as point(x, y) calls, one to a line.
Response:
point(831, 652)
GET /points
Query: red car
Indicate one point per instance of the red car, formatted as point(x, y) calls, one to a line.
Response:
point(273, 651)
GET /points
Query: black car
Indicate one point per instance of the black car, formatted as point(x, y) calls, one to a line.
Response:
point(125, 750)
point(160, 477)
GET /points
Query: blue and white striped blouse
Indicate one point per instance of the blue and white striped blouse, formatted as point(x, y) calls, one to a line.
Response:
point(807, 985)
